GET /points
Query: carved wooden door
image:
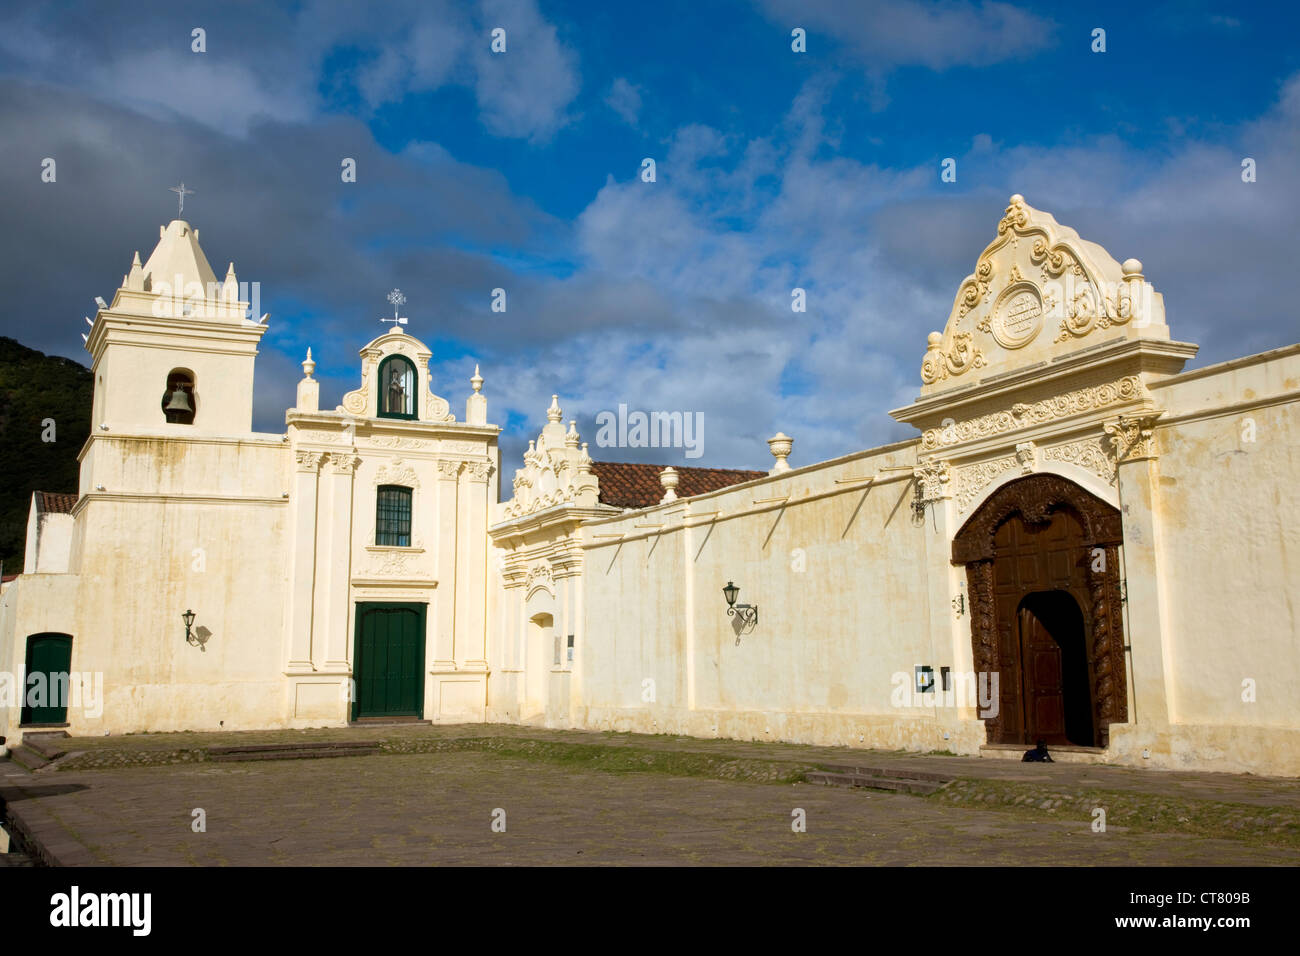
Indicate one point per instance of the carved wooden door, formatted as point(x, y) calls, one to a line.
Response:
point(1044, 696)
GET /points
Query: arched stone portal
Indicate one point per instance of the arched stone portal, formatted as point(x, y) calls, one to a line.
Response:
point(1041, 553)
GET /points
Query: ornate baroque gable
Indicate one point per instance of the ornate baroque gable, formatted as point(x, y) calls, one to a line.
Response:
point(1038, 291)
point(365, 400)
point(556, 470)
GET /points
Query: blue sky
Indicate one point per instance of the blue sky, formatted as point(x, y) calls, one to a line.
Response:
point(775, 169)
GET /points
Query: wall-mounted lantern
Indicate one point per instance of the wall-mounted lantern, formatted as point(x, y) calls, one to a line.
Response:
point(748, 612)
point(188, 618)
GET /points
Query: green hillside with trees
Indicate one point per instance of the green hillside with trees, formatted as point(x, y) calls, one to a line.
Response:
point(33, 388)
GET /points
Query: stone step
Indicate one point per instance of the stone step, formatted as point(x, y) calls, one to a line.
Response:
point(296, 751)
point(903, 773)
point(15, 859)
point(47, 745)
point(27, 758)
point(387, 721)
point(872, 782)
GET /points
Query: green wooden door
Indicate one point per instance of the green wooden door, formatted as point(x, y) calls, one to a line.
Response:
point(389, 661)
point(45, 691)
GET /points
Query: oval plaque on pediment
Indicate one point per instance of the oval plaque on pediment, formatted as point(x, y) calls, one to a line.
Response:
point(1018, 316)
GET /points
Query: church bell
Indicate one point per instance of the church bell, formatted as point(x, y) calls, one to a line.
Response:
point(179, 402)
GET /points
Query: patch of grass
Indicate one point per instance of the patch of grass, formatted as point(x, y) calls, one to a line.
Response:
point(1274, 826)
point(618, 760)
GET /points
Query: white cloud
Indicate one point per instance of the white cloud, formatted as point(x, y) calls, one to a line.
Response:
point(885, 34)
point(625, 100)
point(525, 91)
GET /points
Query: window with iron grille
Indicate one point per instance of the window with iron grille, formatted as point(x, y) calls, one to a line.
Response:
point(393, 516)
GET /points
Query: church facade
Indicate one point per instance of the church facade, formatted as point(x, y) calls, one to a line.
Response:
point(1083, 544)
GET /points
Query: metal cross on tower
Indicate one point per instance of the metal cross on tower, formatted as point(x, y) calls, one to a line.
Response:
point(398, 300)
point(181, 192)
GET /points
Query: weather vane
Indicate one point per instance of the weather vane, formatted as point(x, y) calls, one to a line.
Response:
point(398, 300)
point(181, 192)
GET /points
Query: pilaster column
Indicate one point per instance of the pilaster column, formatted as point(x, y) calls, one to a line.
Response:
point(470, 639)
point(932, 512)
point(448, 534)
point(303, 578)
point(336, 572)
point(1149, 637)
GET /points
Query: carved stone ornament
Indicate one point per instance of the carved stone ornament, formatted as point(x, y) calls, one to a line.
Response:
point(939, 364)
point(397, 472)
point(309, 461)
point(1133, 438)
point(397, 441)
point(478, 470)
point(1027, 456)
point(391, 564)
point(1022, 415)
point(1036, 274)
point(312, 435)
point(557, 471)
point(971, 479)
point(448, 469)
point(1088, 453)
point(932, 479)
point(344, 464)
point(540, 576)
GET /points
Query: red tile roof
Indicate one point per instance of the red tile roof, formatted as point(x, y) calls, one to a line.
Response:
point(630, 485)
point(55, 502)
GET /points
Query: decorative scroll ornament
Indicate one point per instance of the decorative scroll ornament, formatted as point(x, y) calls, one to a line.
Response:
point(395, 441)
point(392, 563)
point(448, 468)
point(972, 479)
point(1088, 453)
point(540, 576)
point(304, 435)
point(962, 356)
point(1022, 415)
point(478, 470)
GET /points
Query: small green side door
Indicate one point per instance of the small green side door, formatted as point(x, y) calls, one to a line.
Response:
point(45, 689)
point(389, 661)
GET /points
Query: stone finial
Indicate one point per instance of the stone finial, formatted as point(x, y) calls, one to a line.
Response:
point(476, 404)
point(584, 462)
point(554, 414)
point(571, 436)
point(308, 387)
point(781, 445)
point(1132, 267)
point(669, 479)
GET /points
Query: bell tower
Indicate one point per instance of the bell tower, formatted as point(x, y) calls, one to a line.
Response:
point(173, 354)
